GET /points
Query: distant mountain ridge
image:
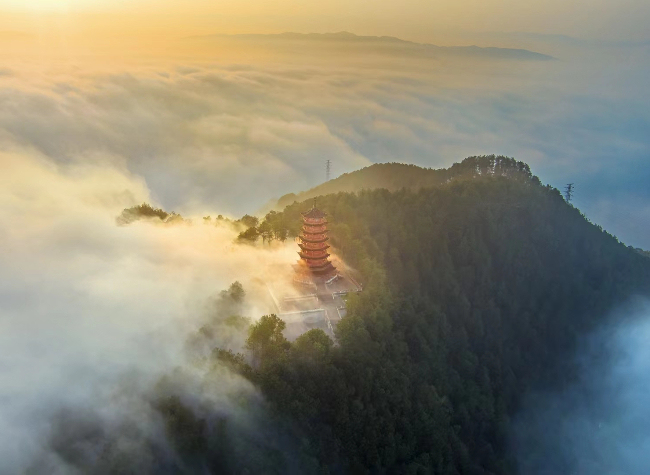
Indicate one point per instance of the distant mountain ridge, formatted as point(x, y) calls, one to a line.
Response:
point(387, 41)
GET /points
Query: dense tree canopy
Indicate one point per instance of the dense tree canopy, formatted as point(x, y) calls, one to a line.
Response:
point(146, 211)
point(477, 290)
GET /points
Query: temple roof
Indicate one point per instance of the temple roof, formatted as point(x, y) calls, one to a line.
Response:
point(322, 246)
point(324, 255)
point(314, 213)
point(307, 238)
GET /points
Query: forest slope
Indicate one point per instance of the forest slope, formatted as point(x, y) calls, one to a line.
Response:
point(476, 292)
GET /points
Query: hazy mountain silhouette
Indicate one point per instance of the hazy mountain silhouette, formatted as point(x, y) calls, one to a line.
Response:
point(386, 44)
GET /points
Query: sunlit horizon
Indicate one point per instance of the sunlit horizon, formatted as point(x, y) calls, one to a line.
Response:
point(416, 20)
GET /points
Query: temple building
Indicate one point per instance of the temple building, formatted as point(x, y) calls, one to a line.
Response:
point(314, 263)
point(317, 298)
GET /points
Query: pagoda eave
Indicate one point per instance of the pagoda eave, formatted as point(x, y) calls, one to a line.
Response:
point(304, 239)
point(321, 230)
point(307, 248)
point(305, 256)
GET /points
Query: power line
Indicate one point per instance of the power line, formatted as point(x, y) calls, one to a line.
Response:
point(568, 192)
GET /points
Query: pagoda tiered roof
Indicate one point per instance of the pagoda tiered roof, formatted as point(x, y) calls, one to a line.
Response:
point(314, 228)
point(314, 213)
point(307, 256)
point(314, 238)
point(313, 246)
point(314, 257)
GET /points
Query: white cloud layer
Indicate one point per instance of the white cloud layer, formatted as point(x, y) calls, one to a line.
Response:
point(232, 131)
point(93, 314)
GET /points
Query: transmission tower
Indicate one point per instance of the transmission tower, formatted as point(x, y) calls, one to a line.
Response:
point(328, 168)
point(568, 192)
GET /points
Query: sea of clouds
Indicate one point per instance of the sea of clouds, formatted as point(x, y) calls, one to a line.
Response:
point(233, 128)
point(93, 314)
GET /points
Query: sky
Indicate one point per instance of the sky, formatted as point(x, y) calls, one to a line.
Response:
point(422, 20)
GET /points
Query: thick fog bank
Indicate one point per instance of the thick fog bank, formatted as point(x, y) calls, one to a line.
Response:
point(600, 423)
point(95, 320)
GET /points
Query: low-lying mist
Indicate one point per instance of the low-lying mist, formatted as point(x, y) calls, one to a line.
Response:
point(599, 423)
point(100, 341)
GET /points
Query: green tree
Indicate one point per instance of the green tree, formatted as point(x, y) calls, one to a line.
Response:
point(265, 340)
point(313, 346)
point(249, 221)
point(250, 235)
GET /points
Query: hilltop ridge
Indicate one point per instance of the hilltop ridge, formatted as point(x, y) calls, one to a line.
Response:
point(394, 176)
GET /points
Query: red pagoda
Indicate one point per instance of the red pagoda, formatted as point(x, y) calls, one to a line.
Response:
point(314, 258)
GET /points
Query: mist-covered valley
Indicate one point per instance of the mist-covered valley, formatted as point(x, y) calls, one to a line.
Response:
point(598, 423)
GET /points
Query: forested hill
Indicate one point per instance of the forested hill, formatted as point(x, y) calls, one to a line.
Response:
point(394, 176)
point(476, 291)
